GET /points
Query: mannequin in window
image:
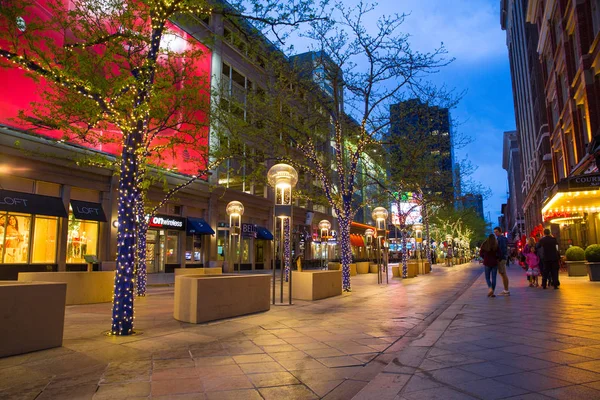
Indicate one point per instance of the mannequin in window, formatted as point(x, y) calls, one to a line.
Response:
point(2, 229)
point(13, 239)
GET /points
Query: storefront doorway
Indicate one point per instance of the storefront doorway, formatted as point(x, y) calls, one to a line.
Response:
point(155, 255)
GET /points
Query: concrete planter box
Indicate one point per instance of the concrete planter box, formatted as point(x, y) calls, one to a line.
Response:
point(333, 266)
point(413, 268)
point(32, 316)
point(373, 268)
point(396, 271)
point(82, 287)
point(204, 298)
point(362, 267)
point(593, 270)
point(577, 268)
point(198, 271)
point(315, 285)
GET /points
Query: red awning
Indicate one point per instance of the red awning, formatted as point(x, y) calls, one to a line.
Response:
point(357, 241)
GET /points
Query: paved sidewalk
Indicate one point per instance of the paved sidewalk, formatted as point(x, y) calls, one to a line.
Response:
point(535, 344)
point(324, 349)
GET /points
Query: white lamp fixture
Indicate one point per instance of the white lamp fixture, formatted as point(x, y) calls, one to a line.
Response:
point(283, 178)
point(324, 227)
point(235, 210)
point(380, 215)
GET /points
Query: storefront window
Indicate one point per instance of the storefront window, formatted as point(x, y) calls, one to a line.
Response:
point(172, 247)
point(44, 240)
point(193, 247)
point(14, 237)
point(82, 239)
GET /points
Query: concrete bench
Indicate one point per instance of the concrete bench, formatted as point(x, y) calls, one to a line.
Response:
point(204, 298)
point(373, 269)
point(82, 287)
point(198, 271)
point(334, 266)
point(315, 285)
point(412, 269)
point(362, 267)
point(32, 316)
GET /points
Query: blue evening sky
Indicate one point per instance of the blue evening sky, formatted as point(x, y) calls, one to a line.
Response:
point(470, 31)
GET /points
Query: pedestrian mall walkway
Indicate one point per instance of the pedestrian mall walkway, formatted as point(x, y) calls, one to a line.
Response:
point(432, 337)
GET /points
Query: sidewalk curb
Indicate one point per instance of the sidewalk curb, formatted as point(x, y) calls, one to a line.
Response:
point(409, 352)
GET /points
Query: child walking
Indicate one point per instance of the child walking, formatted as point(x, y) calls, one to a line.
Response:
point(533, 262)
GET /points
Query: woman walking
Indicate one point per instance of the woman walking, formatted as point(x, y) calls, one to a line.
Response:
point(490, 254)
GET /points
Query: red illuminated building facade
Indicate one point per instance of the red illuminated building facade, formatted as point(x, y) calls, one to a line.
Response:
point(55, 217)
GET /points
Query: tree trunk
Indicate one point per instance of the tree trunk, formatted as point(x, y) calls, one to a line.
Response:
point(404, 252)
point(346, 251)
point(142, 230)
point(286, 226)
point(122, 316)
point(427, 234)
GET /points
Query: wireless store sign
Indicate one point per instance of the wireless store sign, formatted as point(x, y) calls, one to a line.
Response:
point(167, 222)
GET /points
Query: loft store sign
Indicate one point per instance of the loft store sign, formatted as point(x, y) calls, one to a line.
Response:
point(166, 222)
point(13, 201)
point(88, 210)
point(584, 181)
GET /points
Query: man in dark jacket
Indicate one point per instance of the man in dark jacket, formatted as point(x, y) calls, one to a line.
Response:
point(503, 247)
point(549, 246)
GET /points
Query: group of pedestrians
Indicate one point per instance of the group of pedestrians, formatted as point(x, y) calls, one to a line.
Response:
point(542, 258)
point(494, 252)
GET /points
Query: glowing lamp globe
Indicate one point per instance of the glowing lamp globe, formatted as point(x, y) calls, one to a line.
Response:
point(283, 178)
point(369, 232)
point(235, 210)
point(380, 214)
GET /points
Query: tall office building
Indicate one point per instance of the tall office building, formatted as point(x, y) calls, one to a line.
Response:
point(430, 126)
point(511, 162)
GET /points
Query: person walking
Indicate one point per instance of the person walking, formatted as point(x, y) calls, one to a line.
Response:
point(549, 249)
point(490, 254)
point(503, 247)
point(533, 261)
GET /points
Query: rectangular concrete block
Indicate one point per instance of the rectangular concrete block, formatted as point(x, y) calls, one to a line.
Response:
point(32, 316)
point(198, 271)
point(82, 287)
point(362, 267)
point(315, 285)
point(204, 298)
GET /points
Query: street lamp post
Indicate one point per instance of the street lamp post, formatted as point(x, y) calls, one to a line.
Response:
point(324, 227)
point(380, 215)
point(449, 251)
point(369, 236)
point(235, 210)
point(418, 229)
point(283, 178)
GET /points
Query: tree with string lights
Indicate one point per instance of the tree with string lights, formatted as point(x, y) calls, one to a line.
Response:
point(327, 109)
point(127, 78)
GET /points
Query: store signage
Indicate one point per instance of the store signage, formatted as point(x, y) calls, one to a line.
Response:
point(31, 203)
point(88, 211)
point(167, 222)
point(584, 181)
point(249, 230)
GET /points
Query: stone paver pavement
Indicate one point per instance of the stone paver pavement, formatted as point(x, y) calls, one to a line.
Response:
point(534, 344)
point(327, 349)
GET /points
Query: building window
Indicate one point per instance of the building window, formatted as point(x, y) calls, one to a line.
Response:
point(44, 239)
point(595, 4)
point(172, 246)
point(572, 159)
point(82, 239)
point(14, 237)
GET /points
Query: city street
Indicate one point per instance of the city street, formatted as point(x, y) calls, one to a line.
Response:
point(431, 337)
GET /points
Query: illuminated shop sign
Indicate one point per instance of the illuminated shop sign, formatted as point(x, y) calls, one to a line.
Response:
point(167, 222)
point(584, 181)
point(31, 203)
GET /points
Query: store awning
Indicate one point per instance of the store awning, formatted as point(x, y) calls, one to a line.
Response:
point(263, 233)
point(198, 226)
point(570, 198)
point(31, 204)
point(88, 211)
point(357, 241)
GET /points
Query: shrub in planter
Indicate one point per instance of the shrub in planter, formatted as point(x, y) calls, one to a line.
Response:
point(575, 253)
point(575, 261)
point(592, 255)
